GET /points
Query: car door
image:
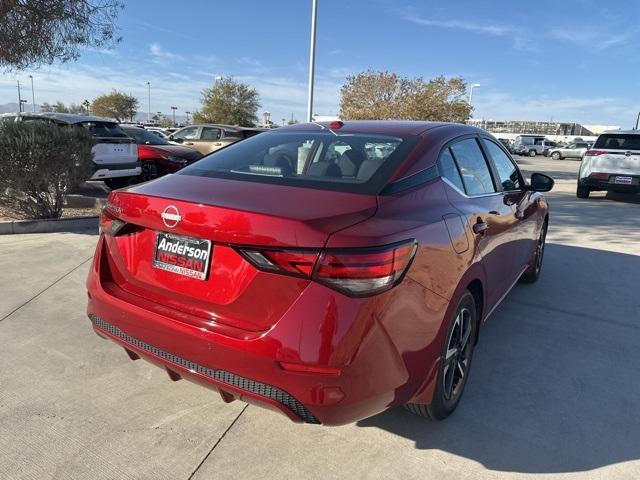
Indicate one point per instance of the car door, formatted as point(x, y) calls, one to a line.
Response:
point(524, 202)
point(187, 136)
point(490, 219)
point(210, 140)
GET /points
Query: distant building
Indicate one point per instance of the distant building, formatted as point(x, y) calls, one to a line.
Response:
point(541, 128)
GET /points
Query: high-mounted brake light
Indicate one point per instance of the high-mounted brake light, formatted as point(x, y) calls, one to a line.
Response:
point(336, 125)
point(594, 153)
point(354, 272)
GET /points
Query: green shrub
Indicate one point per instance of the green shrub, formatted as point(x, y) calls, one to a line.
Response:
point(39, 163)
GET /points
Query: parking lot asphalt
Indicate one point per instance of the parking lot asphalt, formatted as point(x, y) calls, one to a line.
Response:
point(553, 391)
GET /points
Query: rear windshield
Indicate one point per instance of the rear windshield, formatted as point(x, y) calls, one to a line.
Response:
point(144, 137)
point(356, 163)
point(617, 141)
point(104, 129)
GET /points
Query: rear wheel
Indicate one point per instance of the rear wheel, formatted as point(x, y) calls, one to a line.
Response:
point(582, 191)
point(532, 153)
point(533, 273)
point(556, 156)
point(454, 362)
point(149, 171)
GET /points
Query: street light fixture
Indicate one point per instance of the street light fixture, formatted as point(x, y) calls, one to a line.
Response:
point(174, 115)
point(149, 102)
point(473, 85)
point(33, 96)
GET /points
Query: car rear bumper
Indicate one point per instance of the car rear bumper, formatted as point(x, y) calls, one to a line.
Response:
point(609, 183)
point(322, 329)
point(115, 170)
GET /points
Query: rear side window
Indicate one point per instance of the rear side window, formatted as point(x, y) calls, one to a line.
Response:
point(475, 172)
point(104, 129)
point(618, 141)
point(209, 133)
point(449, 170)
point(357, 163)
point(507, 171)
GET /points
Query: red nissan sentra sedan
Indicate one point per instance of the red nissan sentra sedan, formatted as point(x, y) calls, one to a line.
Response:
point(327, 271)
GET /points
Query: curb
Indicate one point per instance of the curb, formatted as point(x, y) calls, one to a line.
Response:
point(83, 201)
point(75, 224)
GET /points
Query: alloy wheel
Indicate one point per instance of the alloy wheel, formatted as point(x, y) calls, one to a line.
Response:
point(149, 171)
point(458, 355)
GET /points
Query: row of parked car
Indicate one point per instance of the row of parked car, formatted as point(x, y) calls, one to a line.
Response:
point(127, 154)
point(532, 145)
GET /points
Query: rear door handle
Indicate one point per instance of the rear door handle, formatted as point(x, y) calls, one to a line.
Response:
point(480, 227)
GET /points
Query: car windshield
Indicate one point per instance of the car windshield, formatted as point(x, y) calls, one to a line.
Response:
point(618, 141)
point(358, 163)
point(144, 137)
point(104, 129)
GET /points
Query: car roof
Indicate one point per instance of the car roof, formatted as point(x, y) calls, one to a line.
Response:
point(69, 118)
point(221, 125)
point(382, 127)
point(623, 132)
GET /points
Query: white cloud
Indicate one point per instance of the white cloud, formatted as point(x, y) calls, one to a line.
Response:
point(160, 54)
point(590, 38)
point(468, 25)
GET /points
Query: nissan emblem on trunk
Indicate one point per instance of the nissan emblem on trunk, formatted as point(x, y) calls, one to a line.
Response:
point(171, 216)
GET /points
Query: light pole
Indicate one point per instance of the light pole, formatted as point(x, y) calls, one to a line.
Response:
point(149, 102)
point(266, 116)
point(19, 98)
point(174, 115)
point(23, 102)
point(312, 58)
point(187, 114)
point(473, 85)
point(33, 95)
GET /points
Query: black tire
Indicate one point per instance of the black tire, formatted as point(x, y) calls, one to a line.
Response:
point(533, 273)
point(115, 183)
point(582, 191)
point(556, 156)
point(459, 343)
point(149, 171)
point(532, 153)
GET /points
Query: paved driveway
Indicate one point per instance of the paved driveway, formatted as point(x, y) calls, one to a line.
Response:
point(553, 392)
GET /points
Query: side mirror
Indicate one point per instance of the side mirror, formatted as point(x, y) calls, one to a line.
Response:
point(541, 182)
point(171, 137)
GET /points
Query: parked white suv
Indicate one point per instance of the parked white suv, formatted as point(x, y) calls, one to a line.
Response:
point(613, 164)
point(115, 154)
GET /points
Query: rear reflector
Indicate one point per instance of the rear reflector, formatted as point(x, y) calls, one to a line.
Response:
point(302, 368)
point(354, 272)
point(599, 176)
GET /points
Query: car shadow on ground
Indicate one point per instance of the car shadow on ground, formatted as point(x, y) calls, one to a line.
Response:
point(554, 385)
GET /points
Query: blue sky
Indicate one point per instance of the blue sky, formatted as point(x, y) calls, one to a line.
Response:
point(566, 61)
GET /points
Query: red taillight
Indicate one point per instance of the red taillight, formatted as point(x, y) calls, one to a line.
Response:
point(354, 272)
point(109, 224)
point(600, 176)
point(594, 153)
point(292, 262)
point(365, 272)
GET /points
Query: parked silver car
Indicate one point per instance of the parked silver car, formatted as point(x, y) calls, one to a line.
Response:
point(573, 150)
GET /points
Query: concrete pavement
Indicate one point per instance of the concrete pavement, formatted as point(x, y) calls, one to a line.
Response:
point(553, 390)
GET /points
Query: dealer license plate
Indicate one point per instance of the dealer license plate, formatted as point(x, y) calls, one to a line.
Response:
point(182, 255)
point(623, 180)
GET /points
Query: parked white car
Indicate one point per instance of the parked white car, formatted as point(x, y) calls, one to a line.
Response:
point(613, 164)
point(115, 154)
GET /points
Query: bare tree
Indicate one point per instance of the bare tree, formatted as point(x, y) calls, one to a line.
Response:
point(37, 32)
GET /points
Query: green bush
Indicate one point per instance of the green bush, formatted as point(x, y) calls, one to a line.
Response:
point(39, 163)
